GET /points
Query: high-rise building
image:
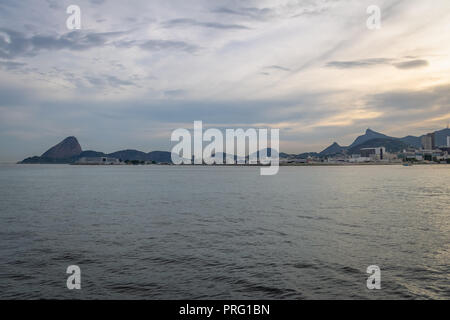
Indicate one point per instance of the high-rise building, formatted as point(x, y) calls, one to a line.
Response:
point(448, 141)
point(374, 153)
point(428, 141)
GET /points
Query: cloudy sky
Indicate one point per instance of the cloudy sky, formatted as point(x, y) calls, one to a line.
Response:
point(138, 69)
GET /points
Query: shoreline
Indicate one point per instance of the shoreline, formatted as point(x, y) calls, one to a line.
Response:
point(240, 165)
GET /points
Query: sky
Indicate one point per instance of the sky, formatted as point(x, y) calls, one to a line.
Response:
point(138, 69)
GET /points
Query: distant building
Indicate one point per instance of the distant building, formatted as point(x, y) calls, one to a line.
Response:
point(448, 142)
point(377, 153)
point(98, 161)
point(428, 141)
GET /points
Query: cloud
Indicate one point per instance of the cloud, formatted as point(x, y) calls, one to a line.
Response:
point(14, 44)
point(411, 64)
point(276, 67)
point(110, 80)
point(191, 22)
point(287, 10)
point(358, 63)
point(174, 93)
point(366, 63)
point(227, 62)
point(255, 13)
point(54, 4)
point(97, 2)
point(158, 45)
point(419, 101)
point(11, 65)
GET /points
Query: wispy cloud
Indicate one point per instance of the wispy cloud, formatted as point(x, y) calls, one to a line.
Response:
point(108, 80)
point(436, 97)
point(276, 67)
point(157, 45)
point(11, 65)
point(191, 22)
point(252, 12)
point(366, 63)
point(14, 44)
point(413, 64)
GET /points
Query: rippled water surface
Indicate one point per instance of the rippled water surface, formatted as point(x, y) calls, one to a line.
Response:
point(166, 232)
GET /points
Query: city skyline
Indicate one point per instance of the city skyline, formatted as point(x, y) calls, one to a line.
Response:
point(131, 75)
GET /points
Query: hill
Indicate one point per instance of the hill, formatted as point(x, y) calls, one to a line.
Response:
point(69, 151)
point(369, 135)
point(67, 148)
point(391, 145)
point(335, 148)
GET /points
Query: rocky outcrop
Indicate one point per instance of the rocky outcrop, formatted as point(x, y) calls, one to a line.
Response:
point(67, 148)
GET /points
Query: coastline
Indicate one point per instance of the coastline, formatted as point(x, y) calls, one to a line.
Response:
point(241, 165)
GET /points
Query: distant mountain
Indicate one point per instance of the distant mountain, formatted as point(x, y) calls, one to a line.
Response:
point(92, 154)
point(160, 156)
point(69, 151)
point(412, 141)
point(129, 155)
point(335, 148)
point(63, 152)
point(391, 145)
point(269, 152)
point(441, 137)
point(67, 148)
point(369, 135)
point(41, 160)
point(304, 155)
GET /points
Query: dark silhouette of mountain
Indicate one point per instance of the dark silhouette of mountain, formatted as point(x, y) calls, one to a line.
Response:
point(305, 155)
point(335, 148)
point(69, 151)
point(67, 148)
point(129, 155)
point(92, 154)
point(63, 152)
point(369, 135)
point(369, 139)
point(391, 145)
point(412, 141)
point(268, 151)
point(159, 156)
point(41, 160)
point(441, 137)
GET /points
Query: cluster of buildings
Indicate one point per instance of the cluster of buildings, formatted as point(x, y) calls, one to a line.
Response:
point(98, 161)
point(376, 154)
point(429, 151)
